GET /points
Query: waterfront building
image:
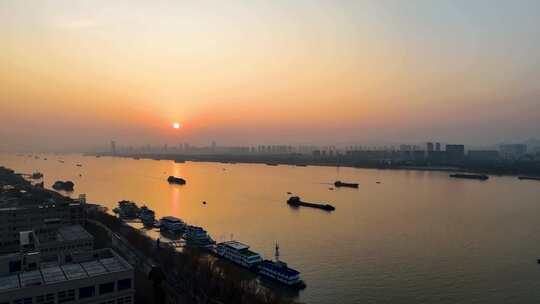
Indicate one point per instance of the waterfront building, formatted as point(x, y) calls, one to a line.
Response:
point(97, 276)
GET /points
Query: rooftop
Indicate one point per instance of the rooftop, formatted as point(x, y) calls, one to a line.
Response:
point(97, 263)
point(73, 233)
point(281, 268)
point(235, 245)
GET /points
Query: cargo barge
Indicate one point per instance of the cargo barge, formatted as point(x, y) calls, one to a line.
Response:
point(296, 202)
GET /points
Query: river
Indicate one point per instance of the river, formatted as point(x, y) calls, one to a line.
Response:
point(415, 237)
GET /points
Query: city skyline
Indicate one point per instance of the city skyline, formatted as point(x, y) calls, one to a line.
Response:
point(76, 75)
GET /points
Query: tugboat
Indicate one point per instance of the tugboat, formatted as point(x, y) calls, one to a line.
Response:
point(197, 236)
point(176, 180)
point(127, 209)
point(172, 224)
point(147, 216)
point(279, 271)
point(238, 253)
point(338, 184)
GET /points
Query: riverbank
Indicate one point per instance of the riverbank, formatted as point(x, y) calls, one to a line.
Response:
point(514, 168)
point(188, 276)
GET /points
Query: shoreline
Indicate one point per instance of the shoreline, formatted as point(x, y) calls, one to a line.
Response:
point(491, 169)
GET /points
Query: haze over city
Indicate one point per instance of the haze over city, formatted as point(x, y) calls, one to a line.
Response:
point(75, 75)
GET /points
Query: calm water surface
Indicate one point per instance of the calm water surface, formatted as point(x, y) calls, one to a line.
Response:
point(417, 237)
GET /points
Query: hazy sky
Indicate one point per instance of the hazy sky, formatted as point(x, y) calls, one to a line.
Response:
point(80, 73)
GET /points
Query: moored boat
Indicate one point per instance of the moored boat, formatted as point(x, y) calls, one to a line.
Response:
point(147, 216)
point(128, 209)
point(197, 236)
point(279, 271)
point(63, 186)
point(172, 224)
point(529, 178)
point(238, 253)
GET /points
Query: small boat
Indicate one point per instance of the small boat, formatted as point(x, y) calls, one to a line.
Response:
point(60, 161)
point(45, 158)
point(147, 216)
point(344, 184)
point(529, 178)
point(197, 236)
point(176, 180)
point(279, 271)
point(78, 165)
point(172, 224)
point(470, 176)
point(271, 164)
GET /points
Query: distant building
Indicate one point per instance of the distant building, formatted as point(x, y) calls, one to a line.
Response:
point(429, 147)
point(455, 153)
point(438, 147)
point(483, 155)
point(113, 147)
point(512, 151)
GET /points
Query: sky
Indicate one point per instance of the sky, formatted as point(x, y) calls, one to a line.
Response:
point(78, 74)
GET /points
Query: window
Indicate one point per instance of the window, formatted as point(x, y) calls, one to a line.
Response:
point(124, 284)
point(124, 300)
point(66, 296)
point(14, 266)
point(45, 299)
point(106, 288)
point(87, 292)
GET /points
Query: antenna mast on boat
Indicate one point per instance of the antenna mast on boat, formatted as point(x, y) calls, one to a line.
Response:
point(277, 252)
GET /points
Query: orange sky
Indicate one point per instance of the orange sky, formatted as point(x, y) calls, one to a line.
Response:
point(245, 72)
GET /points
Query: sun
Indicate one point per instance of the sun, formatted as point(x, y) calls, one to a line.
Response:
point(176, 125)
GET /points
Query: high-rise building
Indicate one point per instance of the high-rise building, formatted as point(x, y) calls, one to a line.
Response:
point(429, 147)
point(113, 147)
point(438, 147)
